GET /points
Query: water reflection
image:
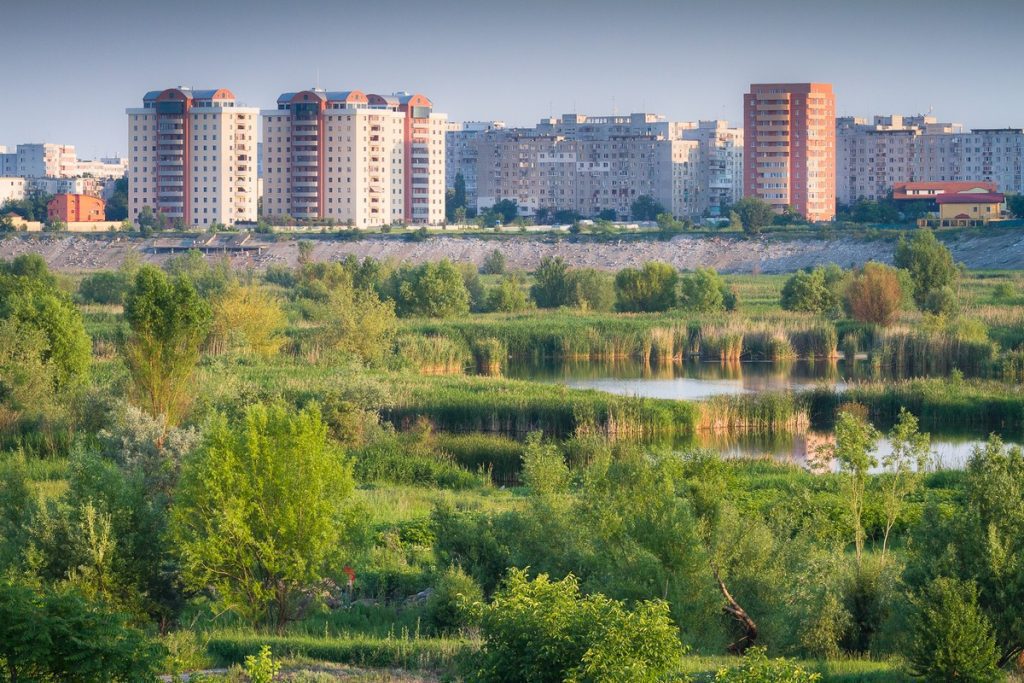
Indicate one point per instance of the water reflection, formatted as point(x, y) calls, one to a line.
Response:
point(691, 381)
point(948, 451)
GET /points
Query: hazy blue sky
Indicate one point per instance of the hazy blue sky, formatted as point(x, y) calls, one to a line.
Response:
point(73, 67)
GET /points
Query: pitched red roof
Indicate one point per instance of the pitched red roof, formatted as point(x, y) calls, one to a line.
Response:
point(970, 198)
point(927, 190)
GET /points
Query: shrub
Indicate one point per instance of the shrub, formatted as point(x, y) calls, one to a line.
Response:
point(952, 639)
point(590, 290)
point(435, 290)
point(704, 291)
point(753, 213)
point(261, 667)
point(545, 630)
point(508, 296)
point(494, 264)
point(551, 283)
point(105, 287)
point(652, 288)
point(758, 668)
point(929, 263)
point(450, 606)
point(874, 295)
point(814, 291)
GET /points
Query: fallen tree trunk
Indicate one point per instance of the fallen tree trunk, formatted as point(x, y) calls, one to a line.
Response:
point(734, 610)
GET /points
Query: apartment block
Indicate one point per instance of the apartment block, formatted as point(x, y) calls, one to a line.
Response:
point(590, 164)
point(12, 188)
point(790, 147)
point(720, 170)
point(192, 157)
point(357, 159)
point(873, 157)
point(75, 208)
point(46, 160)
point(461, 153)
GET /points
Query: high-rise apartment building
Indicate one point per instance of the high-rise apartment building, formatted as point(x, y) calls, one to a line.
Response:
point(790, 148)
point(589, 165)
point(46, 160)
point(720, 169)
point(357, 159)
point(872, 157)
point(192, 157)
point(461, 153)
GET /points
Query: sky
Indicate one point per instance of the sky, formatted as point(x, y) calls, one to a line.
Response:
point(78, 65)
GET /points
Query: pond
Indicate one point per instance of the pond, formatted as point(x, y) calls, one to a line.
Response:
point(694, 381)
point(691, 381)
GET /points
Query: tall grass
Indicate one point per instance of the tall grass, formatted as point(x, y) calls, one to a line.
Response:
point(766, 412)
point(905, 353)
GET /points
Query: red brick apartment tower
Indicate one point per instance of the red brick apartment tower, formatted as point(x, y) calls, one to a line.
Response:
point(789, 155)
point(417, 110)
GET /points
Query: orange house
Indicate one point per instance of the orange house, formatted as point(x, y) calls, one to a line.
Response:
point(76, 208)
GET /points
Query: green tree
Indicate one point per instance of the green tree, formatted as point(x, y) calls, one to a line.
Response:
point(590, 290)
point(982, 542)
point(546, 631)
point(652, 288)
point(1015, 203)
point(149, 221)
point(645, 208)
point(104, 287)
point(434, 290)
point(168, 322)
point(853, 450)
point(507, 210)
point(819, 290)
point(508, 296)
point(754, 214)
point(57, 635)
point(356, 322)
point(952, 640)
point(450, 606)
point(551, 283)
point(930, 264)
point(305, 251)
point(45, 319)
point(261, 513)
point(874, 295)
point(116, 208)
point(457, 200)
point(703, 291)
point(904, 468)
point(494, 263)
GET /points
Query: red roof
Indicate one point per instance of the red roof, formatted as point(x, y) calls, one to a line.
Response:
point(970, 198)
point(928, 190)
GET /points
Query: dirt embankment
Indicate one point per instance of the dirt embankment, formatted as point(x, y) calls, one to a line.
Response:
point(997, 250)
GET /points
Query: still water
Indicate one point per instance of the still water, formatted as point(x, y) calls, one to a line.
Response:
point(695, 381)
point(691, 381)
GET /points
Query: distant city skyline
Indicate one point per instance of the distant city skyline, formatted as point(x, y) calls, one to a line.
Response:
point(518, 63)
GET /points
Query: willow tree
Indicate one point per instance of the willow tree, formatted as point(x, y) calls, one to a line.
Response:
point(169, 322)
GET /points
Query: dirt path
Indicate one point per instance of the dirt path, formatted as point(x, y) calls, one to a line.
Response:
point(998, 250)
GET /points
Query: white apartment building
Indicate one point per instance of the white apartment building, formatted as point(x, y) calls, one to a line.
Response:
point(45, 160)
point(461, 153)
point(872, 157)
point(106, 168)
point(192, 157)
point(590, 164)
point(355, 159)
point(720, 180)
point(12, 188)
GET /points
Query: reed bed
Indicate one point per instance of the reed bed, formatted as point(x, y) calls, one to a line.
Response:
point(941, 405)
point(905, 353)
point(758, 413)
point(650, 338)
point(432, 354)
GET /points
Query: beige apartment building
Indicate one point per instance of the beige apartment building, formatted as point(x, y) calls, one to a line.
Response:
point(872, 157)
point(460, 151)
point(192, 157)
point(12, 188)
point(790, 147)
point(590, 164)
point(355, 159)
point(720, 164)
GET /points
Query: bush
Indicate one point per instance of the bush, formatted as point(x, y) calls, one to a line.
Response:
point(105, 287)
point(952, 639)
point(450, 607)
point(590, 290)
point(435, 290)
point(929, 263)
point(754, 214)
point(704, 291)
point(494, 264)
point(652, 288)
point(508, 296)
point(874, 295)
point(551, 283)
point(758, 668)
point(544, 630)
point(814, 291)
